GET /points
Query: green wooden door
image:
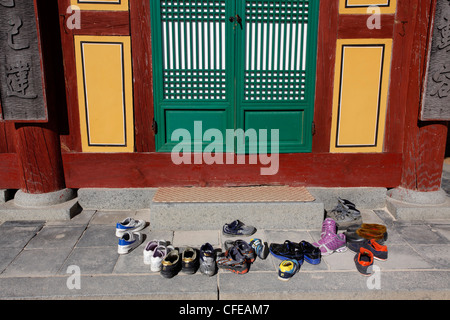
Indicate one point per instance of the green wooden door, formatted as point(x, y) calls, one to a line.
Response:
point(234, 64)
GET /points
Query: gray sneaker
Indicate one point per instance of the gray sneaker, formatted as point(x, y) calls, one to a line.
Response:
point(207, 259)
point(237, 228)
point(345, 218)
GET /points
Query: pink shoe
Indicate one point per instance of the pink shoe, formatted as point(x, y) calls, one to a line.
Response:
point(331, 242)
point(328, 226)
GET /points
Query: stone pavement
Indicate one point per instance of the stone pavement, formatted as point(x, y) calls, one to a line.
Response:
point(37, 259)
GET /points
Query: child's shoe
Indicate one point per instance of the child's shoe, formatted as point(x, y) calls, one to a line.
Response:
point(364, 261)
point(150, 248)
point(233, 260)
point(330, 243)
point(129, 224)
point(129, 241)
point(287, 269)
point(261, 248)
point(311, 253)
point(189, 261)
point(207, 259)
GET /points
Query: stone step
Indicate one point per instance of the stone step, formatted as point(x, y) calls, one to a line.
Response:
point(212, 216)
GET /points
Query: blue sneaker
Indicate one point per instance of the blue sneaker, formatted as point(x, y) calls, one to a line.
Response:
point(261, 248)
point(129, 224)
point(129, 241)
point(237, 228)
point(311, 253)
point(287, 269)
point(287, 251)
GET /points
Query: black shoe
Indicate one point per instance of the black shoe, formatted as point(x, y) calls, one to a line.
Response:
point(233, 260)
point(287, 250)
point(189, 260)
point(171, 264)
point(311, 253)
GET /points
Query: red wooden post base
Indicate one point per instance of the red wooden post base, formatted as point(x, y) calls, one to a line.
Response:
point(39, 156)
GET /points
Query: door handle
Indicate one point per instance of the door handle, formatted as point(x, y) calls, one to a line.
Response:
point(238, 19)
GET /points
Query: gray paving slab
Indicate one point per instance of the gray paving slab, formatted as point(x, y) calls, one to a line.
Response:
point(152, 286)
point(98, 260)
point(99, 236)
point(16, 237)
point(421, 234)
point(37, 262)
point(7, 256)
point(335, 285)
point(56, 237)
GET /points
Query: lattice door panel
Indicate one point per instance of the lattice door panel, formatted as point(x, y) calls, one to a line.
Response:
point(275, 50)
point(194, 49)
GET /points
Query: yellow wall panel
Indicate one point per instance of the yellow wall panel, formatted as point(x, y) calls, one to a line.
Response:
point(360, 6)
point(360, 95)
point(101, 5)
point(105, 94)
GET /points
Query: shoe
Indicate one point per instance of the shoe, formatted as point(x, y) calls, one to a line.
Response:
point(364, 261)
point(233, 260)
point(129, 224)
point(189, 261)
point(244, 248)
point(331, 243)
point(346, 202)
point(171, 264)
point(150, 248)
point(207, 260)
point(351, 236)
point(287, 269)
point(311, 253)
point(287, 251)
point(380, 252)
point(237, 228)
point(372, 234)
point(129, 241)
point(344, 218)
point(261, 248)
point(328, 226)
point(158, 256)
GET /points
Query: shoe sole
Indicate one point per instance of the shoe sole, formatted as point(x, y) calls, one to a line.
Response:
point(235, 270)
point(300, 262)
point(284, 279)
point(312, 261)
point(339, 250)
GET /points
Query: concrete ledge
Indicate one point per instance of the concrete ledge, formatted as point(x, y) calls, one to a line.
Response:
point(212, 216)
point(64, 211)
point(115, 199)
point(364, 198)
point(410, 211)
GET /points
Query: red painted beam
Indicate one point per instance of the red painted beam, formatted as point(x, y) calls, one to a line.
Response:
point(140, 170)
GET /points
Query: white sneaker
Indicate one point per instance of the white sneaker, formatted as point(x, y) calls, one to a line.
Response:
point(129, 224)
point(158, 256)
point(129, 241)
point(150, 248)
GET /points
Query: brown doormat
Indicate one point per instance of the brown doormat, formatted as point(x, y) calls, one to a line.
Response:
point(233, 194)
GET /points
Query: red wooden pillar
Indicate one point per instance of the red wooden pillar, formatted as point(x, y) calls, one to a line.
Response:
point(38, 145)
point(423, 142)
point(39, 153)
